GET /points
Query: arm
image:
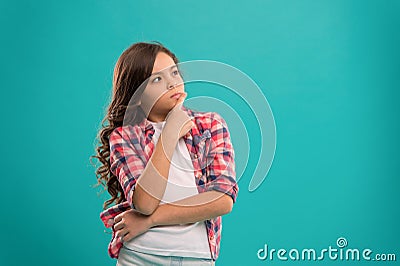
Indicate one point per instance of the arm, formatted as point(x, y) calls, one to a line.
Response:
point(200, 207)
point(221, 192)
point(127, 164)
point(126, 161)
point(193, 209)
point(153, 181)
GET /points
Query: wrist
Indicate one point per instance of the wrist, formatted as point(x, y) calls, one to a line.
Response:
point(168, 141)
point(152, 220)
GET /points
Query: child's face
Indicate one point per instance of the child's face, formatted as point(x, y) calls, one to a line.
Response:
point(165, 85)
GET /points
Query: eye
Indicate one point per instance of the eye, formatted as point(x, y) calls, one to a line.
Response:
point(175, 72)
point(156, 79)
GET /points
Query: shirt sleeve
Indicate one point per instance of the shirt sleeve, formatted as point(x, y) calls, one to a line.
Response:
point(222, 175)
point(125, 162)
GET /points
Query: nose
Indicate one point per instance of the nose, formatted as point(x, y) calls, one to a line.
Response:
point(172, 85)
point(173, 81)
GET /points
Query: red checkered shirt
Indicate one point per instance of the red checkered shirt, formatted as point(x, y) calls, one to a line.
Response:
point(210, 149)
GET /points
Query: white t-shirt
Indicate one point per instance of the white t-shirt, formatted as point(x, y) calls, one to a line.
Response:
point(188, 240)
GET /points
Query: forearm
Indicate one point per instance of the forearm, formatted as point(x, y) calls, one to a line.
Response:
point(193, 209)
point(151, 184)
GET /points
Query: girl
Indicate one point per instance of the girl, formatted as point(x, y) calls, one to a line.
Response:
point(169, 169)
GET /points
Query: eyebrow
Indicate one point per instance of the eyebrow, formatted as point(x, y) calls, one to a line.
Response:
point(169, 68)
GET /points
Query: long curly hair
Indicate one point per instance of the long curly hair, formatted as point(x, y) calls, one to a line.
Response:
point(133, 67)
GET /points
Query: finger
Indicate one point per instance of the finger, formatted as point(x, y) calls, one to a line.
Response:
point(179, 102)
point(118, 218)
point(118, 226)
point(189, 126)
point(181, 99)
point(127, 237)
point(121, 233)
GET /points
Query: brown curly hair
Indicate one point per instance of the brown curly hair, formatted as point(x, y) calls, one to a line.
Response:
point(133, 67)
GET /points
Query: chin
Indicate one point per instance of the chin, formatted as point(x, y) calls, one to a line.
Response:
point(169, 107)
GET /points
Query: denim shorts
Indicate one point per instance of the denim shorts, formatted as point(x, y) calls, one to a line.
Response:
point(129, 257)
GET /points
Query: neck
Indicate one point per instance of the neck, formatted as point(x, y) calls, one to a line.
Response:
point(156, 117)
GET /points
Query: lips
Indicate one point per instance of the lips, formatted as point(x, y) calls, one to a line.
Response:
point(176, 95)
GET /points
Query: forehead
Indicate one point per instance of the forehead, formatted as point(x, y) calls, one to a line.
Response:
point(162, 62)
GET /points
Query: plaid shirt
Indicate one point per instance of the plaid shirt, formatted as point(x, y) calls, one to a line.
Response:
point(212, 155)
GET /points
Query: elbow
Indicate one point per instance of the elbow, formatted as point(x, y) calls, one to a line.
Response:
point(227, 205)
point(145, 209)
point(145, 212)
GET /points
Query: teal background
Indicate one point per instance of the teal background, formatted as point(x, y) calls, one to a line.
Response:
point(329, 69)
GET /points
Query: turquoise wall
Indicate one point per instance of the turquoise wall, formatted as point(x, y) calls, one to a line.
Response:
point(329, 69)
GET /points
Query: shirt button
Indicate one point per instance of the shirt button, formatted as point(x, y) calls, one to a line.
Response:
point(196, 156)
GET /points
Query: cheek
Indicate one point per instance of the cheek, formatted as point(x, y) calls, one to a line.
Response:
point(164, 103)
point(181, 87)
point(179, 80)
